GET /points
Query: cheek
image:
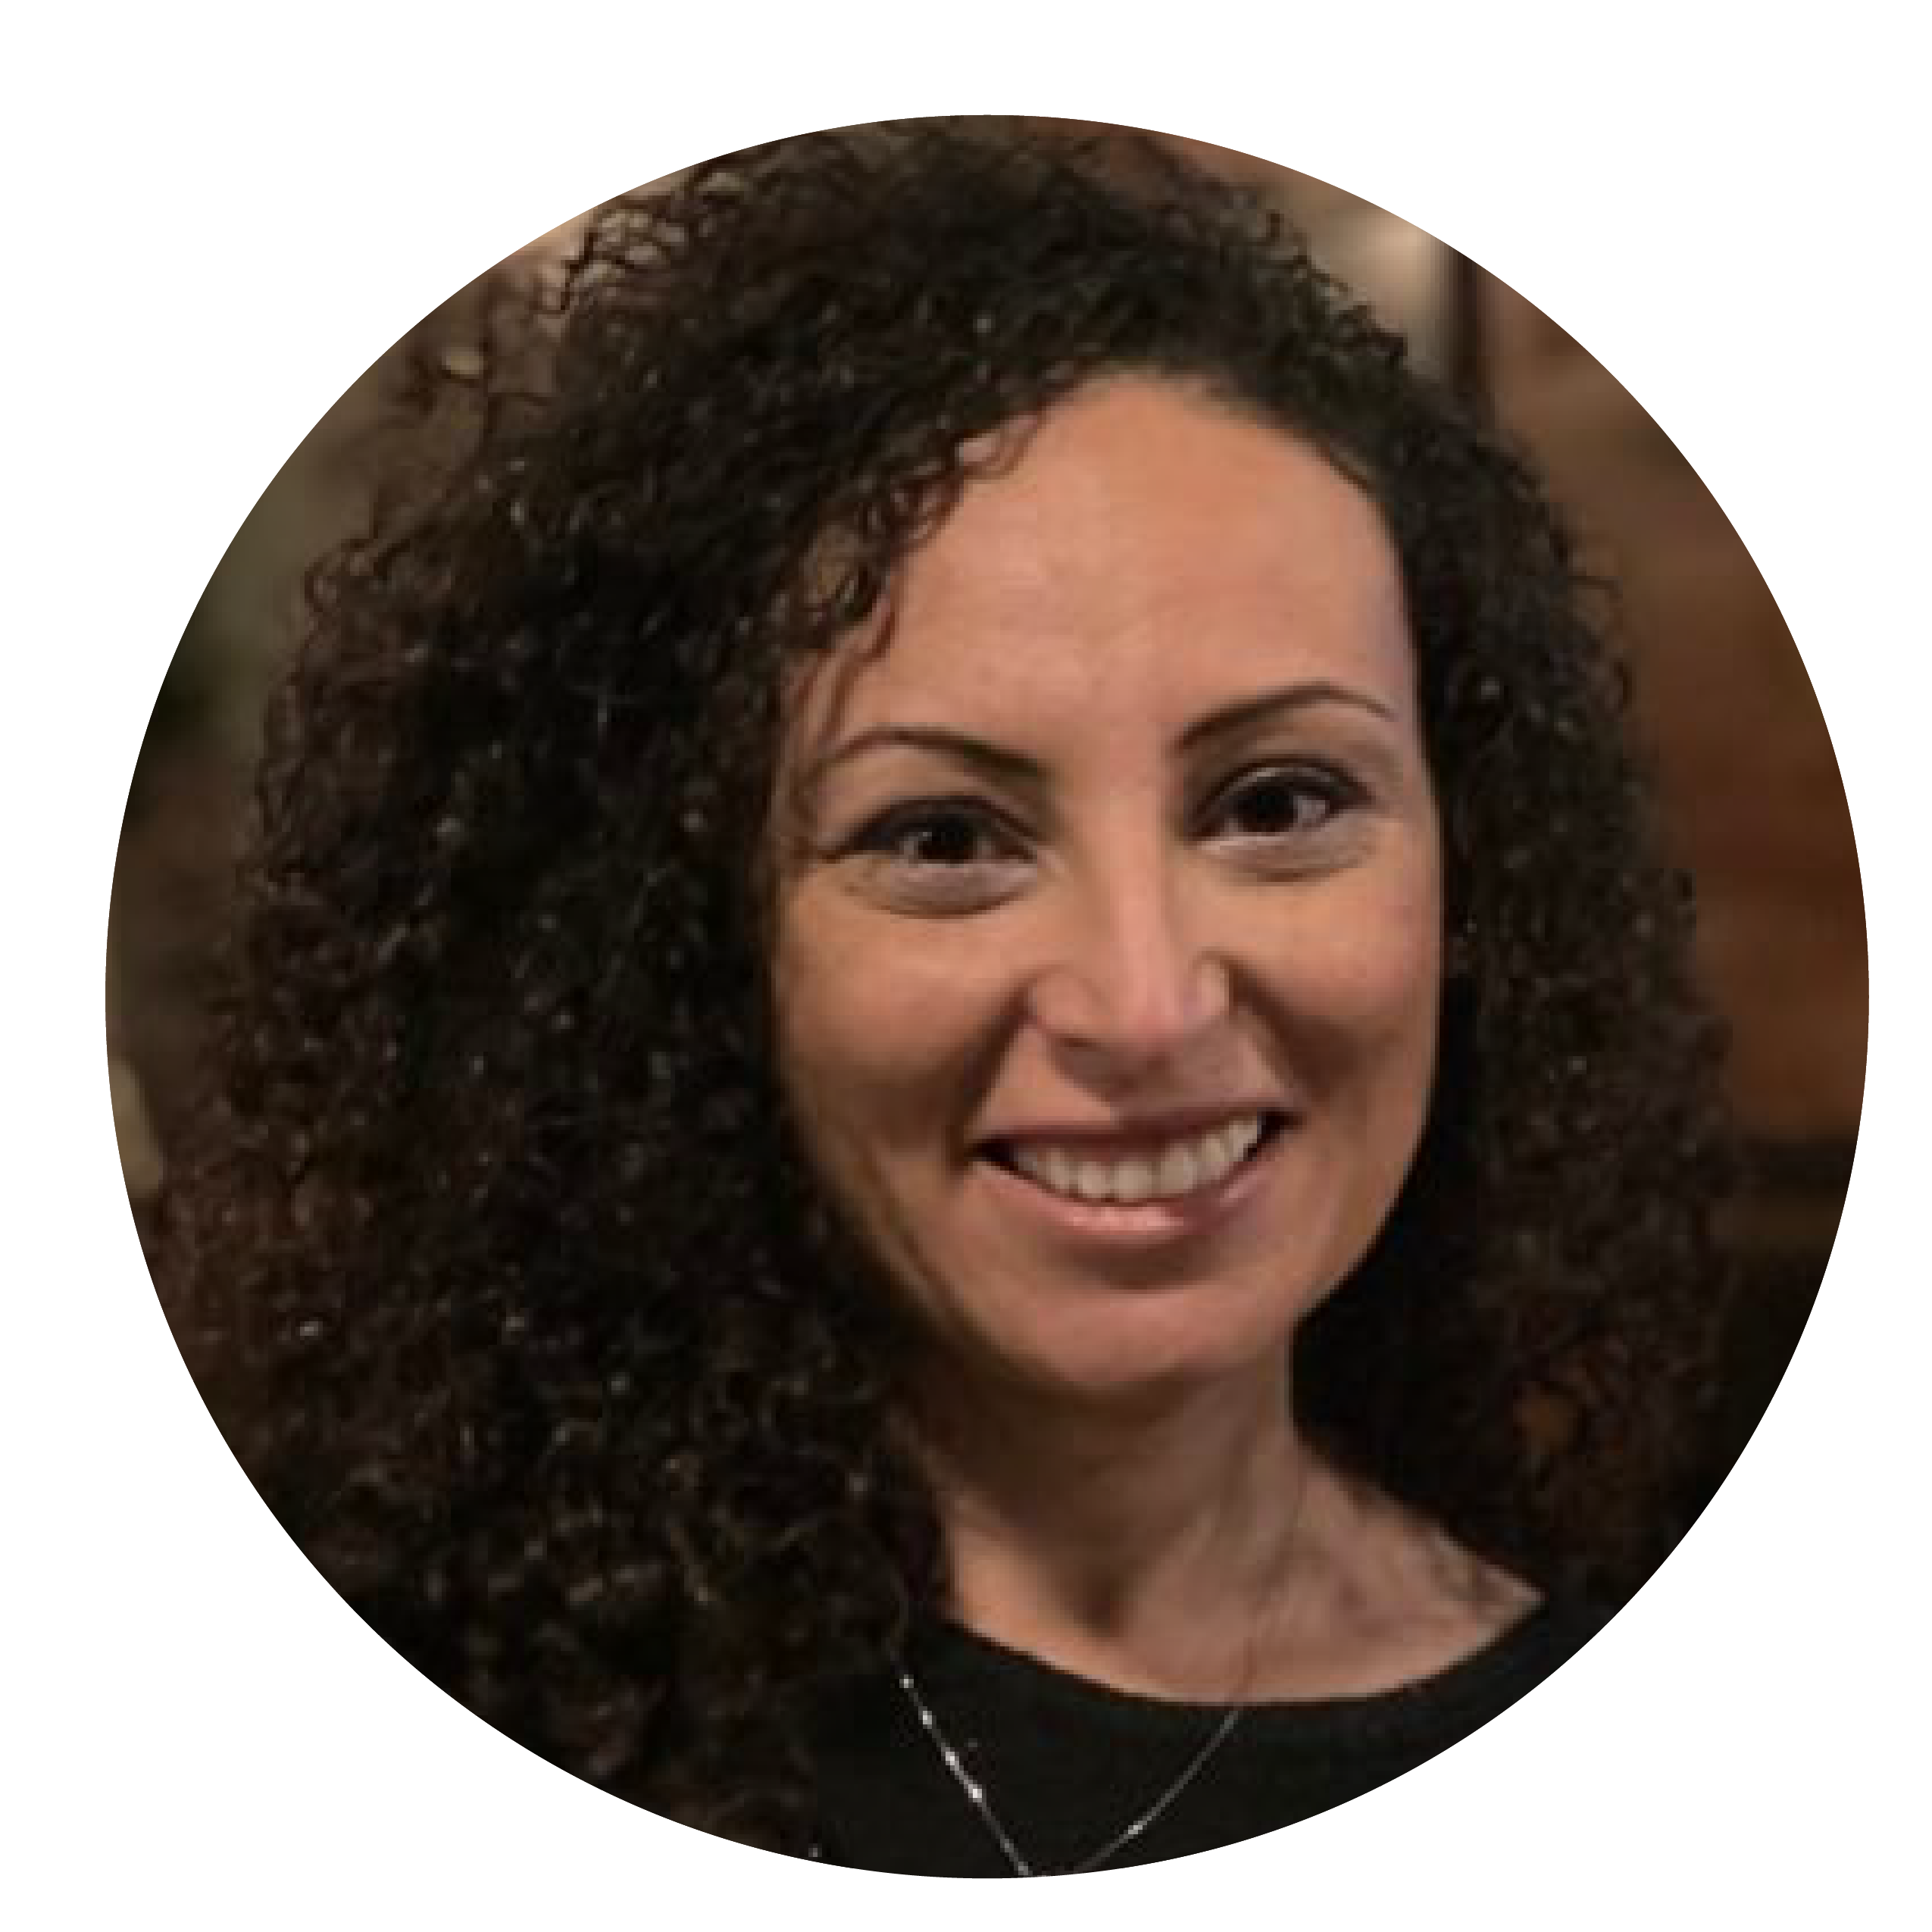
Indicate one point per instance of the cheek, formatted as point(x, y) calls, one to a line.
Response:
point(872, 1034)
point(1397, 991)
point(1357, 1008)
point(870, 1057)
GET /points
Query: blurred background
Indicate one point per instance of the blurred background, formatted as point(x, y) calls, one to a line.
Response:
point(1753, 804)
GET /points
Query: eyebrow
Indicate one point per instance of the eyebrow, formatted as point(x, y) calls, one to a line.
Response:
point(1247, 712)
point(994, 761)
point(997, 762)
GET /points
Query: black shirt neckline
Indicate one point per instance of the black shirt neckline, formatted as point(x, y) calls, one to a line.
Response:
point(955, 1661)
point(1067, 1760)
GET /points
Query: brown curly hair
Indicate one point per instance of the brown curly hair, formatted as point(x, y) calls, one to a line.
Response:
point(498, 1256)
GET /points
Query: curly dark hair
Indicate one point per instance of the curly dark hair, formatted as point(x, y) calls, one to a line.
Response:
point(499, 1256)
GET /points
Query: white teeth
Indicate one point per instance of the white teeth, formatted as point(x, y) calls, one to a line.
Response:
point(1180, 1172)
point(1181, 1169)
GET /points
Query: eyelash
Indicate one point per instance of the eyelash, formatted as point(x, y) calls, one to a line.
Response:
point(1335, 791)
point(970, 883)
point(889, 835)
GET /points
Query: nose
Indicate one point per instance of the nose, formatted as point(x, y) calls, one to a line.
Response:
point(1134, 981)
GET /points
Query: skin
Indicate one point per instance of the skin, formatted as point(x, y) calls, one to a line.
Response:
point(1121, 828)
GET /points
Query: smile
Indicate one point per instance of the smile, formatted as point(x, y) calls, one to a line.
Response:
point(1170, 1170)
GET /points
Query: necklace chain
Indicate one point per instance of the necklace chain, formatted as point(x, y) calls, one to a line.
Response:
point(1224, 1728)
point(976, 1795)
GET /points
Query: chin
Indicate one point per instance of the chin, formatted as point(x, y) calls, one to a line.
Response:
point(1128, 1351)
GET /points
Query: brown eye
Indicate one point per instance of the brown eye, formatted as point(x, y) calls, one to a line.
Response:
point(940, 834)
point(1269, 808)
point(1280, 802)
point(942, 839)
point(941, 855)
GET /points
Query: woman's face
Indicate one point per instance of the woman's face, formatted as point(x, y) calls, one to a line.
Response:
point(1107, 950)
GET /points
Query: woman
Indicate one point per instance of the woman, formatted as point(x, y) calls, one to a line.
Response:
point(980, 820)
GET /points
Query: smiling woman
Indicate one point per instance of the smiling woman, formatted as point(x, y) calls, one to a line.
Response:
point(1063, 926)
point(960, 1125)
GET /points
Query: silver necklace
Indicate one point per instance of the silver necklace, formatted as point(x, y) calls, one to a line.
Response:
point(976, 1795)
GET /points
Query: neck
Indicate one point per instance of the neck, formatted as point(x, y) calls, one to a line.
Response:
point(1145, 1544)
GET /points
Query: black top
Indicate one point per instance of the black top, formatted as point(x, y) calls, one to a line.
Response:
point(1066, 1763)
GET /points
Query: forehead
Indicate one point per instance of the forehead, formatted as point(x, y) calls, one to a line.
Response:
point(1141, 548)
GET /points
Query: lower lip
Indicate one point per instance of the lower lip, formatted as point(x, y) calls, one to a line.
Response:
point(1137, 1225)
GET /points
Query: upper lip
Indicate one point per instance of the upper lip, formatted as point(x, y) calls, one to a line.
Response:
point(1135, 1131)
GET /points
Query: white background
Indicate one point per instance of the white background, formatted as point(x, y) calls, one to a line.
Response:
point(218, 216)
